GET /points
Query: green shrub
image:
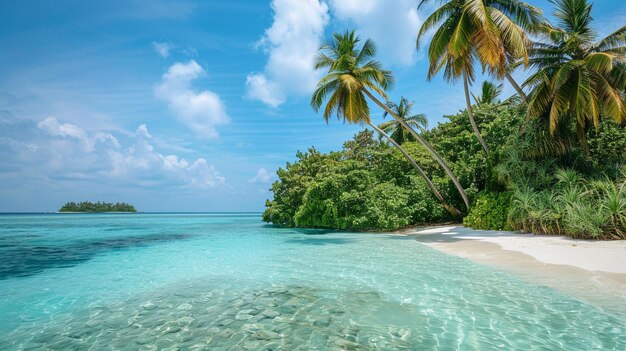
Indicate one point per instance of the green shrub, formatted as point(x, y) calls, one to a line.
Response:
point(572, 205)
point(293, 182)
point(349, 197)
point(490, 211)
point(532, 180)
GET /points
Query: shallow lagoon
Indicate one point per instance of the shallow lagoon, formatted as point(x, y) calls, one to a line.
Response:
point(228, 281)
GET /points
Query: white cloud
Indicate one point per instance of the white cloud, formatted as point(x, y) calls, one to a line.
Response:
point(102, 157)
point(53, 127)
point(353, 7)
point(269, 92)
point(291, 43)
point(203, 175)
point(393, 25)
point(108, 139)
point(199, 111)
point(262, 176)
point(66, 130)
point(142, 130)
point(296, 33)
point(162, 48)
point(148, 166)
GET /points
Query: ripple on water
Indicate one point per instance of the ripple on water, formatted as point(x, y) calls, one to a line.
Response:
point(284, 317)
point(238, 284)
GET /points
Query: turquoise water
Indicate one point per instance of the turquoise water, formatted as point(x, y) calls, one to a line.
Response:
point(230, 282)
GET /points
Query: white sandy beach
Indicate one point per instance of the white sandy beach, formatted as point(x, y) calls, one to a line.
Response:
point(590, 270)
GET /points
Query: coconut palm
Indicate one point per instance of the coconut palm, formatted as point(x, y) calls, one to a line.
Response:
point(489, 31)
point(451, 209)
point(520, 92)
point(352, 73)
point(489, 93)
point(579, 79)
point(403, 110)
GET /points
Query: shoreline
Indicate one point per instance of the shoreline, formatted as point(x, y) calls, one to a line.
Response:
point(592, 271)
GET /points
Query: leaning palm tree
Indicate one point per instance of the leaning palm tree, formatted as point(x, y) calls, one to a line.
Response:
point(451, 209)
point(510, 68)
point(352, 73)
point(489, 93)
point(403, 110)
point(579, 79)
point(490, 31)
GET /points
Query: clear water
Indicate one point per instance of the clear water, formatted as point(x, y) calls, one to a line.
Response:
point(228, 281)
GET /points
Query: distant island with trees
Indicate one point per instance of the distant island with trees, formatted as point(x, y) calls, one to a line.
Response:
point(97, 207)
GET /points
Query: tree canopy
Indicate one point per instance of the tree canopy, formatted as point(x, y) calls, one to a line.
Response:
point(544, 169)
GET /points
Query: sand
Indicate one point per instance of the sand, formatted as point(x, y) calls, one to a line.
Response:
point(594, 271)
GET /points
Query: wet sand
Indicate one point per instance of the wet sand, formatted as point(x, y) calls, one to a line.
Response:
point(592, 271)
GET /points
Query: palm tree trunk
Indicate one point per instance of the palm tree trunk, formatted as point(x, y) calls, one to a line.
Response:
point(451, 209)
point(471, 114)
point(424, 143)
point(517, 88)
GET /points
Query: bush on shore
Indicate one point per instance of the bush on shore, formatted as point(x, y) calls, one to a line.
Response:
point(531, 181)
point(490, 211)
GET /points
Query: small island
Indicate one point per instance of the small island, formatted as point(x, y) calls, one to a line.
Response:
point(97, 207)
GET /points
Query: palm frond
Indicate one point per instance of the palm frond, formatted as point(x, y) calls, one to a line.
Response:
point(610, 42)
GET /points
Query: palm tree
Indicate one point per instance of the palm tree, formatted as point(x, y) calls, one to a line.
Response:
point(352, 72)
point(489, 93)
point(398, 133)
point(451, 209)
point(578, 79)
point(490, 31)
point(520, 92)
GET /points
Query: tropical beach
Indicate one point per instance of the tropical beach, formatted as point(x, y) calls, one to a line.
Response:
point(590, 270)
point(136, 282)
point(314, 175)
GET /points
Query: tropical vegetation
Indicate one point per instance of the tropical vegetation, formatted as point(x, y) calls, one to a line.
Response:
point(352, 76)
point(492, 32)
point(549, 160)
point(86, 206)
point(579, 79)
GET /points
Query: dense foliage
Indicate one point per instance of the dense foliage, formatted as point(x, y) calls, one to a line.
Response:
point(368, 185)
point(551, 161)
point(490, 211)
point(573, 206)
point(87, 206)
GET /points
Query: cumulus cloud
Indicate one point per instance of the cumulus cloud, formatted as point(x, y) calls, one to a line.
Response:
point(200, 111)
point(66, 130)
point(149, 167)
point(392, 25)
point(268, 92)
point(67, 151)
point(297, 30)
point(142, 130)
point(290, 43)
point(262, 176)
point(162, 48)
point(53, 127)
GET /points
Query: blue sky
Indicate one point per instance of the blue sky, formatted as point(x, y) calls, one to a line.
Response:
point(183, 105)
